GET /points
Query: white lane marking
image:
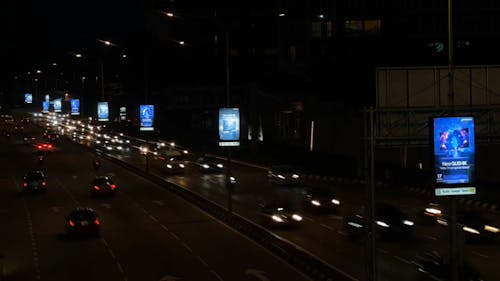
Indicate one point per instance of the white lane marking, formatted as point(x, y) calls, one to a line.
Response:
point(343, 233)
point(216, 275)
point(164, 227)
point(327, 226)
point(54, 209)
point(187, 247)
point(309, 219)
point(402, 259)
point(479, 254)
point(153, 218)
point(117, 262)
point(202, 261)
point(175, 236)
point(106, 205)
point(159, 203)
point(382, 251)
point(430, 237)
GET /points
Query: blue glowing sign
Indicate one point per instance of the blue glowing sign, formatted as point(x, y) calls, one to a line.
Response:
point(28, 98)
point(454, 150)
point(75, 107)
point(57, 105)
point(47, 97)
point(102, 111)
point(229, 126)
point(45, 106)
point(147, 115)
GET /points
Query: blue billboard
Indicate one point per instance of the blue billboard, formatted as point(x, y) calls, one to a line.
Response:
point(75, 107)
point(454, 150)
point(28, 98)
point(45, 106)
point(229, 126)
point(47, 97)
point(102, 111)
point(146, 115)
point(57, 105)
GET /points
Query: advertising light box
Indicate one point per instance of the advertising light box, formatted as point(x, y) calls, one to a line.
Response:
point(229, 127)
point(147, 116)
point(454, 150)
point(57, 105)
point(45, 106)
point(123, 113)
point(47, 97)
point(28, 98)
point(102, 111)
point(75, 107)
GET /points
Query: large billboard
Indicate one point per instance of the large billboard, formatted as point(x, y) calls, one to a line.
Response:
point(454, 150)
point(102, 111)
point(28, 98)
point(45, 106)
point(75, 107)
point(229, 127)
point(147, 116)
point(57, 105)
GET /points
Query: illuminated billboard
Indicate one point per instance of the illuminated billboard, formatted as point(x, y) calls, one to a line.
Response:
point(147, 116)
point(75, 107)
point(28, 98)
point(229, 127)
point(102, 111)
point(57, 105)
point(45, 106)
point(454, 150)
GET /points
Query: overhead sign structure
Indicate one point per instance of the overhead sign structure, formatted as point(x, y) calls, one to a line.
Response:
point(57, 105)
point(102, 111)
point(75, 107)
point(229, 127)
point(454, 153)
point(45, 106)
point(147, 115)
point(28, 98)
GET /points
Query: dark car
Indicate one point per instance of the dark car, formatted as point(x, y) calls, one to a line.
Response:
point(28, 139)
point(18, 128)
point(175, 164)
point(210, 164)
point(53, 137)
point(280, 214)
point(103, 186)
point(44, 147)
point(320, 200)
point(390, 223)
point(83, 221)
point(475, 226)
point(34, 181)
point(433, 266)
point(432, 213)
point(283, 175)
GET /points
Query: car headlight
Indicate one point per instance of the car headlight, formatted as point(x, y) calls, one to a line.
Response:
point(491, 229)
point(277, 218)
point(281, 177)
point(470, 230)
point(357, 225)
point(433, 211)
point(296, 217)
point(205, 166)
point(169, 166)
point(109, 147)
point(119, 147)
point(335, 201)
point(185, 152)
point(220, 165)
point(381, 223)
point(407, 222)
point(315, 203)
point(181, 165)
point(295, 176)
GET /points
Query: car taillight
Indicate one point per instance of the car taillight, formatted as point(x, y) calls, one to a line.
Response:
point(39, 146)
point(44, 183)
point(113, 186)
point(71, 223)
point(97, 222)
point(49, 146)
point(25, 184)
point(96, 187)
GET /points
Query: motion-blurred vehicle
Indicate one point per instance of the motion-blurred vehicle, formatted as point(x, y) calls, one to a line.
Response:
point(18, 128)
point(431, 213)
point(210, 164)
point(44, 147)
point(6, 133)
point(28, 139)
point(102, 186)
point(283, 175)
point(25, 120)
point(320, 200)
point(280, 214)
point(175, 164)
point(390, 223)
point(433, 266)
point(34, 181)
point(53, 137)
point(476, 227)
point(83, 221)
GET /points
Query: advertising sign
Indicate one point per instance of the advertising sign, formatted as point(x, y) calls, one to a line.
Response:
point(28, 98)
point(45, 106)
point(75, 107)
point(57, 105)
point(229, 127)
point(123, 113)
point(146, 115)
point(454, 151)
point(47, 97)
point(102, 111)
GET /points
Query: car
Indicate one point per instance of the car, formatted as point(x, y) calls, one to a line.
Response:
point(103, 185)
point(34, 181)
point(83, 221)
point(28, 139)
point(44, 147)
point(390, 223)
point(210, 164)
point(25, 120)
point(431, 213)
point(53, 136)
point(283, 175)
point(175, 164)
point(280, 214)
point(6, 133)
point(476, 227)
point(320, 200)
point(433, 266)
point(18, 128)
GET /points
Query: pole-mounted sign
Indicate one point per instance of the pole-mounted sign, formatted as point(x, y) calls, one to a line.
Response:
point(229, 127)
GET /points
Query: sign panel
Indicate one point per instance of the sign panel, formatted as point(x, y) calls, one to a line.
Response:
point(45, 106)
point(229, 127)
point(455, 191)
point(75, 107)
point(102, 111)
point(57, 105)
point(146, 115)
point(28, 98)
point(454, 150)
point(123, 113)
point(47, 97)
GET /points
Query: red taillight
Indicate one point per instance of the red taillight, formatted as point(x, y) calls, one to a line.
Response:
point(49, 146)
point(71, 223)
point(97, 222)
point(113, 186)
point(44, 183)
point(39, 146)
point(25, 184)
point(96, 187)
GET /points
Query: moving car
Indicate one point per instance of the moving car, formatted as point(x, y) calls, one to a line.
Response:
point(28, 139)
point(210, 164)
point(320, 200)
point(103, 185)
point(390, 223)
point(476, 226)
point(44, 147)
point(83, 221)
point(434, 267)
point(432, 213)
point(34, 181)
point(18, 128)
point(283, 175)
point(280, 214)
point(175, 164)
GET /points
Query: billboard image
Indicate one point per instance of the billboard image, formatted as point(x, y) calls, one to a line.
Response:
point(75, 107)
point(102, 111)
point(454, 150)
point(147, 115)
point(28, 98)
point(57, 105)
point(229, 126)
point(45, 106)
point(47, 97)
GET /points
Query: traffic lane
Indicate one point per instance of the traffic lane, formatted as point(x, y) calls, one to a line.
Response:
point(175, 218)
